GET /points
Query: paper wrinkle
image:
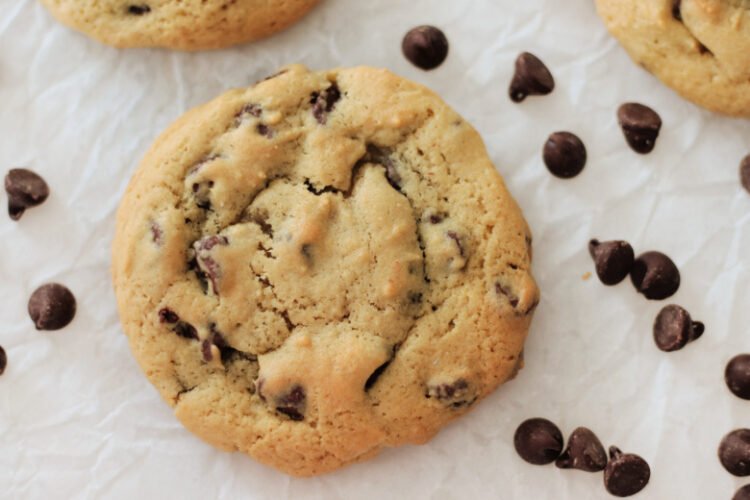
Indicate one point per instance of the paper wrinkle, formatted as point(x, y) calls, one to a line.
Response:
point(79, 420)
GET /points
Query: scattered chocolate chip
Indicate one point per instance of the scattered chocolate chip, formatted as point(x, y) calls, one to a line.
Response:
point(166, 315)
point(584, 452)
point(734, 452)
point(531, 78)
point(52, 307)
point(207, 264)
point(674, 328)
point(564, 154)
point(426, 47)
point(626, 474)
point(455, 394)
point(185, 330)
point(538, 441)
point(737, 376)
point(613, 260)
point(324, 102)
point(3, 360)
point(640, 125)
point(25, 190)
point(676, 9)
point(157, 235)
point(139, 10)
point(743, 493)
point(264, 130)
point(745, 173)
point(292, 404)
point(655, 276)
point(376, 375)
point(506, 291)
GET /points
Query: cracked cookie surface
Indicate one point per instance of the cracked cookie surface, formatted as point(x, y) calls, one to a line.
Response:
point(320, 266)
point(178, 24)
point(700, 48)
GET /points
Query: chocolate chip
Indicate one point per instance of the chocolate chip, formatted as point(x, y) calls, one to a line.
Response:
point(157, 234)
point(139, 10)
point(455, 394)
point(538, 441)
point(374, 376)
point(564, 154)
point(52, 307)
point(25, 190)
point(655, 276)
point(324, 102)
point(613, 260)
point(745, 173)
point(425, 47)
point(626, 474)
point(676, 9)
point(640, 125)
point(674, 328)
point(734, 452)
point(215, 339)
point(507, 292)
point(584, 452)
point(743, 493)
point(737, 376)
point(3, 360)
point(166, 315)
point(292, 404)
point(207, 264)
point(185, 330)
point(531, 78)
point(264, 130)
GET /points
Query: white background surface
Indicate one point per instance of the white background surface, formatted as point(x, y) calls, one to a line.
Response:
point(77, 418)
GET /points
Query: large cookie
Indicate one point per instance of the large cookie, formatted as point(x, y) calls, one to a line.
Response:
point(320, 266)
point(700, 48)
point(178, 24)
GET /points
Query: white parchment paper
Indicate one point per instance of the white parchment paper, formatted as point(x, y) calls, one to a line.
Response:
point(79, 420)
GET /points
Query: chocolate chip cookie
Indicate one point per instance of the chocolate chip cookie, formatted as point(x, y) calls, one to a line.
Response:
point(320, 266)
point(698, 47)
point(178, 24)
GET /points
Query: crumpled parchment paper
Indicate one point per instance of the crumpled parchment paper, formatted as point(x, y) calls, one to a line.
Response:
point(79, 420)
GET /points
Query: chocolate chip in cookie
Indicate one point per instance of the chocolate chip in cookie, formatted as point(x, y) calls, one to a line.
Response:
point(564, 154)
point(734, 452)
point(613, 260)
point(323, 102)
point(425, 46)
point(538, 441)
point(456, 394)
point(737, 376)
point(292, 404)
point(52, 307)
point(531, 78)
point(584, 452)
point(25, 189)
point(674, 328)
point(745, 173)
point(626, 473)
point(139, 9)
point(655, 276)
point(640, 125)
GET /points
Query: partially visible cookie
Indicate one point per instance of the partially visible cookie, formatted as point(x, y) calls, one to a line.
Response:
point(178, 24)
point(700, 48)
point(320, 266)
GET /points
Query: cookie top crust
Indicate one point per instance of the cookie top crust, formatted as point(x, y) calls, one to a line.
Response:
point(698, 47)
point(178, 24)
point(322, 265)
